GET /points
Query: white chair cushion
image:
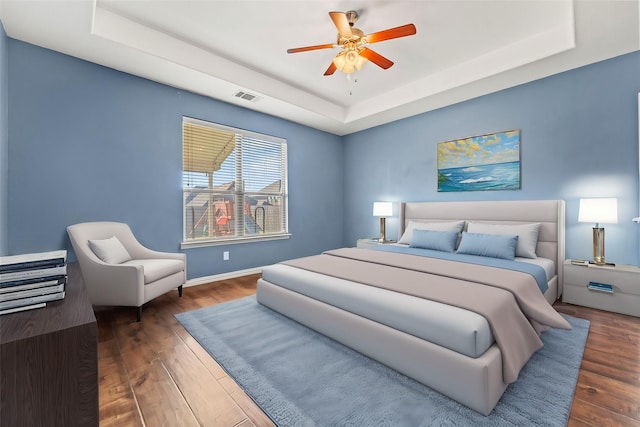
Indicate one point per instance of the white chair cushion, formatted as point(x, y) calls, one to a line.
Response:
point(110, 250)
point(156, 269)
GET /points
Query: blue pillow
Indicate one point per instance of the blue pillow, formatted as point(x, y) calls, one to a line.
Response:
point(489, 245)
point(444, 241)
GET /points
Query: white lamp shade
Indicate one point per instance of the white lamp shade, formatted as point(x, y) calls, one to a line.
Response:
point(383, 209)
point(603, 210)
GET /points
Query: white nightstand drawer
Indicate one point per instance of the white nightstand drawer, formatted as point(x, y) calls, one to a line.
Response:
point(623, 281)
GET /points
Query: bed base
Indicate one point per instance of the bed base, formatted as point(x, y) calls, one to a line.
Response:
point(476, 383)
point(552, 293)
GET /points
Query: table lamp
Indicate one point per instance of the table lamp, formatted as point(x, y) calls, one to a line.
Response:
point(603, 210)
point(383, 210)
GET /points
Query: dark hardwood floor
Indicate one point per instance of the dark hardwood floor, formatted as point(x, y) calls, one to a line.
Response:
point(153, 373)
point(608, 389)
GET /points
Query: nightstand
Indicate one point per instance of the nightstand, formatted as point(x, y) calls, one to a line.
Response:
point(614, 289)
point(367, 243)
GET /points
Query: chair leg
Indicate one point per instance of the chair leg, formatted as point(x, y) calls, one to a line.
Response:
point(139, 314)
point(180, 291)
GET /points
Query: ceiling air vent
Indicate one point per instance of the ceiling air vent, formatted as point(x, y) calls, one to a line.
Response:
point(247, 96)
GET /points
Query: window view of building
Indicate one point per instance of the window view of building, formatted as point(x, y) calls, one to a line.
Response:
point(234, 184)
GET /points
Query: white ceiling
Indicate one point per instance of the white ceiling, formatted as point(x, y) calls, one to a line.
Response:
point(462, 49)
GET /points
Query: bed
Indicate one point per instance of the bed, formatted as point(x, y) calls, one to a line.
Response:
point(464, 328)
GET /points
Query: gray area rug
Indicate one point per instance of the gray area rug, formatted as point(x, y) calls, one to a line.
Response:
point(302, 378)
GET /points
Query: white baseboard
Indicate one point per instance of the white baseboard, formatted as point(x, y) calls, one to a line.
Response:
point(224, 276)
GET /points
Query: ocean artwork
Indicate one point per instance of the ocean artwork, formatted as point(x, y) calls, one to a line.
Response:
point(480, 163)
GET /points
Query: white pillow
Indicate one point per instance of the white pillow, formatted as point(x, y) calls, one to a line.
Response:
point(527, 235)
point(407, 236)
point(110, 250)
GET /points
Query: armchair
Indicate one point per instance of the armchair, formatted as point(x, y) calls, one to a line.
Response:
point(133, 282)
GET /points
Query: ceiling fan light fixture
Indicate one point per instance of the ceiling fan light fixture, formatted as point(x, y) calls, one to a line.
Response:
point(341, 64)
point(351, 57)
point(349, 61)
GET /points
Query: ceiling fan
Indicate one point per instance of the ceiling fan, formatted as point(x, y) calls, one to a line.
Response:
point(353, 43)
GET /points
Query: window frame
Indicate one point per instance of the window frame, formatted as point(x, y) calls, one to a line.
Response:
point(238, 193)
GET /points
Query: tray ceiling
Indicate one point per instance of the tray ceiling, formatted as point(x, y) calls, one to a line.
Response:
point(462, 49)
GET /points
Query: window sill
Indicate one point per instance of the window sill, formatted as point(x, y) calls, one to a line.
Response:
point(232, 241)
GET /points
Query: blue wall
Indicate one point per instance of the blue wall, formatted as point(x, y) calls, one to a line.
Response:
point(4, 144)
point(579, 138)
point(90, 143)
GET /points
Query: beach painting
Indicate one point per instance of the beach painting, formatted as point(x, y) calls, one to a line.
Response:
point(480, 163)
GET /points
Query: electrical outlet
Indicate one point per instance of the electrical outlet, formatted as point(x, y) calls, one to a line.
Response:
point(225, 256)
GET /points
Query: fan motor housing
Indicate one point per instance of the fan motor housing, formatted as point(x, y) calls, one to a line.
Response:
point(356, 35)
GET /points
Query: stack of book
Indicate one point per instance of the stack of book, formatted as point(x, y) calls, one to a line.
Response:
point(30, 281)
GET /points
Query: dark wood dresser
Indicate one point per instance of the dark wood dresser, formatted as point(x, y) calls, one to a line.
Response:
point(49, 362)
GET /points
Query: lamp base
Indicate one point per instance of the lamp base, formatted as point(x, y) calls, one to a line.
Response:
point(598, 246)
point(383, 232)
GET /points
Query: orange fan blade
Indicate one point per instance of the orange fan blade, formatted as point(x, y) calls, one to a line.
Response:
point(342, 23)
point(376, 58)
point(332, 69)
point(391, 33)
point(307, 48)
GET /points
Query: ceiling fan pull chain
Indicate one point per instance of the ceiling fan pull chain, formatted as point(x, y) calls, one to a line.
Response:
point(352, 81)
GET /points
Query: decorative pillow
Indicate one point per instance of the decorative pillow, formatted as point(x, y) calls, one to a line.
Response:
point(444, 241)
point(110, 250)
point(433, 226)
point(527, 235)
point(489, 245)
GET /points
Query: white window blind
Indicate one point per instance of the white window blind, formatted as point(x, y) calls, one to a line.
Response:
point(234, 184)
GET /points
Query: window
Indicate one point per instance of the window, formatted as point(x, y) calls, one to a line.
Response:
point(234, 184)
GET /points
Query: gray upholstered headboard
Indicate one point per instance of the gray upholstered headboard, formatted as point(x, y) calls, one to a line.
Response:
point(549, 213)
